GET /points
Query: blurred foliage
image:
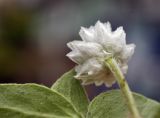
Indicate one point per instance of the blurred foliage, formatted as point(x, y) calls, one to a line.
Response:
point(14, 35)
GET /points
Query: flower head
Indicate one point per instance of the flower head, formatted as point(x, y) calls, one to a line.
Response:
point(98, 43)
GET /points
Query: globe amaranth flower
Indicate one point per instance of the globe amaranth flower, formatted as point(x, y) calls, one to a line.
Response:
point(98, 43)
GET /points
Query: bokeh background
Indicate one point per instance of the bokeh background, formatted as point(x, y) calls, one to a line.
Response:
point(34, 33)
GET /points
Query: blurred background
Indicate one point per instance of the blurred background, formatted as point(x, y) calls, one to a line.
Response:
point(34, 33)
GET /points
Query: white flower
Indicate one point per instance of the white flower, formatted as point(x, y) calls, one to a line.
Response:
point(98, 43)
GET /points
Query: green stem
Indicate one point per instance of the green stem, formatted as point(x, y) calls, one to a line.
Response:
point(113, 66)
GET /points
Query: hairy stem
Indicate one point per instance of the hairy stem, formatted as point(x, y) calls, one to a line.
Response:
point(113, 66)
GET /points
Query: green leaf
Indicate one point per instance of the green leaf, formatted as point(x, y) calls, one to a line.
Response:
point(33, 101)
point(112, 105)
point(72, 89)
point(12, 113)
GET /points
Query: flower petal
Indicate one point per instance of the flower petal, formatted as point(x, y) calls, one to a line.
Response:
point(128, 52)
point(90, 66)
point(87, 49)
point(76, 57)
point(124, 68)
point(109, 82)
point(119, 35)
point(98, 83)
point(116, 41)
point(108, 27)
point(87, 34)
point(101, 32)
point(100, 28)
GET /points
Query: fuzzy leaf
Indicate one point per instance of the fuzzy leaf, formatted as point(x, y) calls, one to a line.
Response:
point(111, 105)
point(71, 88)
point(33, 101)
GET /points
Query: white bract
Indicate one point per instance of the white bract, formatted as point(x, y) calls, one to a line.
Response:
point(98, 43)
